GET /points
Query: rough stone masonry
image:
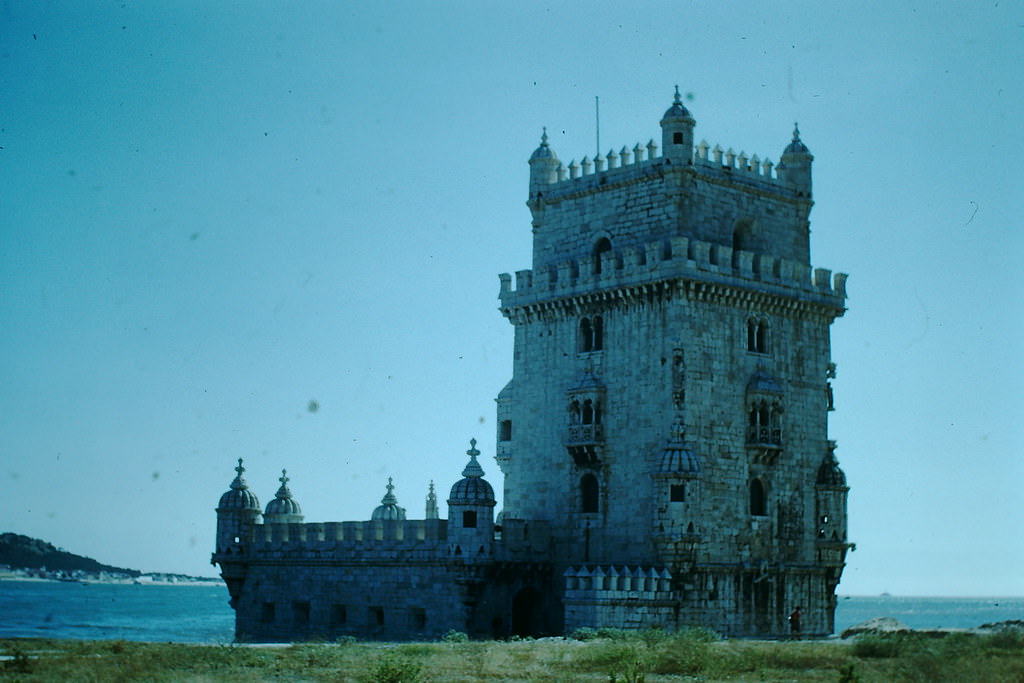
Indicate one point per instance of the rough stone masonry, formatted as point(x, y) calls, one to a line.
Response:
point(663, 439)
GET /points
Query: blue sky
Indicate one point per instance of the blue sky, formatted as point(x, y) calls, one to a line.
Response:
point(213, 214)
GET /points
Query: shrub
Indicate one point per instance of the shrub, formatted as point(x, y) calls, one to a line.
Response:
point(583, 634)
point(454, 636)
point(877, 646)
point(395, 668)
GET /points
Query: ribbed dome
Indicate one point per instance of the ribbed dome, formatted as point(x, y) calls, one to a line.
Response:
point(472, 488)
point(678, 458)
point(543, 151)
point(283, 503)
point(677, 110)
point(239, 497)
point(796, 146)
point(389, 507)
point(829, 472)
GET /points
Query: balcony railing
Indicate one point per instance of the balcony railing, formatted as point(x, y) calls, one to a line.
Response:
point(585, 434)
point(764, 436)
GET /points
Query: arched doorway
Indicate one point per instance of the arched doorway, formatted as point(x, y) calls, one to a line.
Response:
point(527, 615)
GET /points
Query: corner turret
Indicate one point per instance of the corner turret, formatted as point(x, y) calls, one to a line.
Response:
point(795, 165)
point(283, 509)
point(677, 133)
point(237, 512)
point(471, 512)
point(544, 165)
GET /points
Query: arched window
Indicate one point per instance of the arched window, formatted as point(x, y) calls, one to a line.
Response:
point(761, 338)
point(586, 336)
point(588, 412)
point(589, 493)
point(758, 507)
point(757, 336)
point(598, 327)
point(600, 247)
point(574, 413)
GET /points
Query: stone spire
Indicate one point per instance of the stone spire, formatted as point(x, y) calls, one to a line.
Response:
point(432, 511)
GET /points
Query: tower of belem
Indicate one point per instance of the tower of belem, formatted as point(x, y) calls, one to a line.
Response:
point(664, 438)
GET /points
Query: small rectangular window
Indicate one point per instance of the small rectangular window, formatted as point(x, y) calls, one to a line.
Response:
point(376, 616)
point(469, 519)
point(419, 618)
point(300, 612)
point(339, 615)
point(267, 613)
point(677, 493)
point(506, 431)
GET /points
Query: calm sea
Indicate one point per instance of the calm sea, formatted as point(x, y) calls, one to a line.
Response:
point(200, 614)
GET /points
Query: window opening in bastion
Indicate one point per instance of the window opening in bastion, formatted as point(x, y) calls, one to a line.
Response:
point(591, 336)
point(757, 336)
point(300, 613)
point(758, 507)
point(505, 431)
point(469, 519)
point(589, 493)
point(339, 615)
point(602, 246)
point(267, 613)
point(677, 493)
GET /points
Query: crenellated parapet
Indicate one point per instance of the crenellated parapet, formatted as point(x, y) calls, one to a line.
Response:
point(630, 165)
point(618, 582)
point(371, 540)
point(678, 259)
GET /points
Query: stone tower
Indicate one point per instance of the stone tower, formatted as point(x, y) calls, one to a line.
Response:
point(668, 408)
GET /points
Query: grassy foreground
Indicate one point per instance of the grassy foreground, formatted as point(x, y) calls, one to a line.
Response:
point(616, 657)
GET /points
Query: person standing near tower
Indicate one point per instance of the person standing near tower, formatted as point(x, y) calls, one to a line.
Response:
point(794, 622)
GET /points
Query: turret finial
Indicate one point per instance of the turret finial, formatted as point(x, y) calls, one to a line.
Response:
point(678, 99)
point(473, 468)
point(239, 482)
point(544, 136)
point(796, 132)
point(284, 478)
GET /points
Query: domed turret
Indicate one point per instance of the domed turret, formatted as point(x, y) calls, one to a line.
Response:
point(795, 165)
point(284, 508)
point(239, 496)
point(677, 133)
point(830, 491)
point(471, 512)
point(544, 165)
point(472, 489)
point(237, 511)
point(829, 472)
point(389, 507)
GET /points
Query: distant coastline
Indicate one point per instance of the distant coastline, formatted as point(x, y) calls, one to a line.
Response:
point(23, 558)
point(146, 579)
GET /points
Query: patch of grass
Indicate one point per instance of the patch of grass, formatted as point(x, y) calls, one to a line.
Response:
point(648, 657)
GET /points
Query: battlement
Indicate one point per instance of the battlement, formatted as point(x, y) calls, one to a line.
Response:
point(374, 539)
point(617, 582)
point(629, 165)
point(677, 257)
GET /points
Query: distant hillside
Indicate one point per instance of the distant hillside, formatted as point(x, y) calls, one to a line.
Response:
point(22, 552)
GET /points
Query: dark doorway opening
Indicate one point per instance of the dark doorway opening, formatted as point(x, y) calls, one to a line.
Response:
point(527, 615)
